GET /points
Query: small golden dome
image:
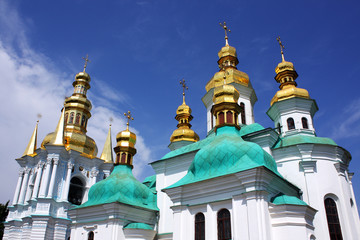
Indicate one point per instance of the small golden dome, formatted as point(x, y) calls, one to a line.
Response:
point(226, 93)
point(232, 76)
point(289, 91)
point(227, 51)
point(183, 109)
point(75, 141)
point(284, 66)
point(184, 133)
point(126, 139)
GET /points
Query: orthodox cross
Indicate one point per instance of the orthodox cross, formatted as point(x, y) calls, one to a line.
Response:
point(129, 117)
point(86, 61)
point(282, 47)
point(223, 25)
point(182, 83)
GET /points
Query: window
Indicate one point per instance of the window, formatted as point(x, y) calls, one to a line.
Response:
point(71, 117)
point(305, 123)
point(91, 235)
point(123, 158)
point(83, 121)
point(66, 117)
point(279, 128)
point(224, 224)
point(77, 119)
point(221, 118)
point(76, 191)
point(290, 123)
point(229, 117)
point(333, 219)
point(199, 226)
point(242, 113)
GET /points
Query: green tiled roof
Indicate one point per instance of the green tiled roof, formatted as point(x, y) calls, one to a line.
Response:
point(246, 129)
point(300, 139)
point(150, 182)
point(189, 148)
point(227, 153)
point(121, 186)
point(284, 199)
point(138, 226)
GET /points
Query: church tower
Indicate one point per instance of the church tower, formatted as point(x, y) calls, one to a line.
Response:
point(229, 74)
point(317, 165)
point(57, 176)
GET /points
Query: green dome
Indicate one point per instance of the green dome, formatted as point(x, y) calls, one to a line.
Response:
point(254, 127)
point(227, 153)
point(121, 186)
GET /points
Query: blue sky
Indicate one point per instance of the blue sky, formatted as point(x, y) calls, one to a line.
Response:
point(139, 50)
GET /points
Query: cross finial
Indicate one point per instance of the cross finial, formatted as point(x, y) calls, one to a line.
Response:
point(86, 61)
point(282, 47)
point(182, 83)
point(129, 117)
point(223, 25)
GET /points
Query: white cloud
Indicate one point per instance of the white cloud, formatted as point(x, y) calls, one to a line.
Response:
point(349, 125)
point(31, 84)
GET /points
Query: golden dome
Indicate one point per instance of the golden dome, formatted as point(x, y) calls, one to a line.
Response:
point(225, 93)
point(289, 91)
point(227, 51)
point(126, 139)
point(75, 141)
point(184, 133)
point(284, 66)
point(183, 109)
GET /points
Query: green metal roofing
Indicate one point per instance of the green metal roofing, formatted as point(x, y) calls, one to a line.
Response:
point(246, 129)
point(138, 226)
point(291, 200)
point(226, 153)
point(121, 186)
point(150, 182)
point(300, 139)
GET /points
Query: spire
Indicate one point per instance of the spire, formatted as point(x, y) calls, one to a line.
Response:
point(107, 154)
point(59, 132)
point(31, 147)
point(183, 116)
point(86, 61)
point(125, 144)
point(286, 76)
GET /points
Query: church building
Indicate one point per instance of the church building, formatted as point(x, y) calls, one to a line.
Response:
point(242, 181)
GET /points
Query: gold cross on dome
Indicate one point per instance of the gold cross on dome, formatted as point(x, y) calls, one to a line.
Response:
point(282, 47)
point(223, 25)
point(86, 61)
point(129, 117)
point(182, 83)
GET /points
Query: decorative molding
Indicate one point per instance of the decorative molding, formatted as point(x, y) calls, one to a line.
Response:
point(308, 166)
point(70, 165)
point(341, 168)
point(94, 173)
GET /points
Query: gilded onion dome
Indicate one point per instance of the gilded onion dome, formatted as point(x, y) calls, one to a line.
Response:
point(286, 76)
point(75, 116)
point(183, 116)
point(125, 145)
point(227, 64)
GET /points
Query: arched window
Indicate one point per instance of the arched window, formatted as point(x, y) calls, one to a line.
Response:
point(123, 158)
point(77, 119)
point(279, 128)
point(221, 118)
point(333, 219)
point(242, 113)
point(290, 123)
point(305, 123)
point(76, 191)
point(91, 235)
point(224, 224)
point(199, 226)
point(66, 117)
point(229, 117)
point(71, 117)
point(83, 121)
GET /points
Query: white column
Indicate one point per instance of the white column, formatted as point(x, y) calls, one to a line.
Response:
point(30, 187)
point(67, 182)
point(37, 180)
point(53, 177)
point(94, 173)
point(24, 186)
point(18, 185)
point(45, 180)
